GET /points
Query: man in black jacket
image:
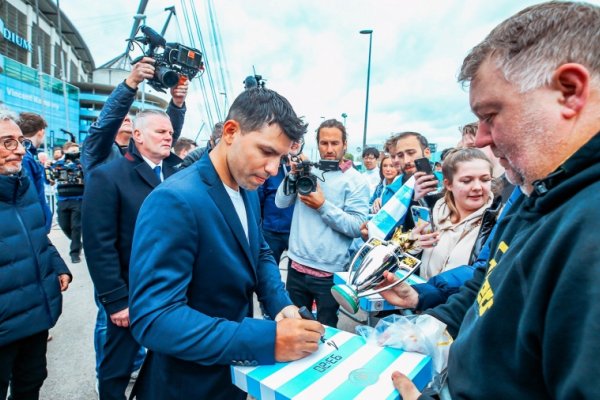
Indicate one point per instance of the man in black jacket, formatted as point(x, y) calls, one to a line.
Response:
point(113, 196)
point(32, 274)
point(526, 327)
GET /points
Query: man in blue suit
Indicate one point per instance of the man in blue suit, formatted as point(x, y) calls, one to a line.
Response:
point(113, 196)
point(198, 256)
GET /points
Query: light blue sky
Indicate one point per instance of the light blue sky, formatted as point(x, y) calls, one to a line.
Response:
point(312, 53)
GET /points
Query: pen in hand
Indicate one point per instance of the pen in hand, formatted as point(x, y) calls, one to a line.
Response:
point(305, 314)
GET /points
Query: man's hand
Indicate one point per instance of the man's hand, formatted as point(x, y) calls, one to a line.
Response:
point(376, 206)
point(296, 338)
point(315, 199)
point(121, 318)
point(424, 184)
point(401, 295)
point(407, 389)
point(64, 280)
point(288, 312)
point(144, 69)
point(179, 93)
point(364, 231)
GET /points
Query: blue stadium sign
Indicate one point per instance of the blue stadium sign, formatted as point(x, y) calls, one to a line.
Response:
point(14, 38)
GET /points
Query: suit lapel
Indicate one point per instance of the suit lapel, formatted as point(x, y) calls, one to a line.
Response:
point(146, 173)
point(217, 192)
point(143, 169)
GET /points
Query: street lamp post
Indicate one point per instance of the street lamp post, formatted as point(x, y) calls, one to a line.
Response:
point(370, 33)
point(344, 115)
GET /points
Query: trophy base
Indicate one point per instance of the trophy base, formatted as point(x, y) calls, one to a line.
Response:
point(346, 297)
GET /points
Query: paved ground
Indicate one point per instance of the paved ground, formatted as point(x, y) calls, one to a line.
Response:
point(71, 365)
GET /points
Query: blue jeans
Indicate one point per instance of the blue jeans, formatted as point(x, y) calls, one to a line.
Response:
point(100, 340)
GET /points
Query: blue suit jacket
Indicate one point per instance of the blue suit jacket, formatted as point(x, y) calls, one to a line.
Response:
point(193, 273)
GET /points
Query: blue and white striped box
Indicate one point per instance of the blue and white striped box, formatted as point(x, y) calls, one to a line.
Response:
point(375, 302)
point(355, 371)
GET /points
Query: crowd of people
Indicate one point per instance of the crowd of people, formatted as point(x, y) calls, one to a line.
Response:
point(179, 238)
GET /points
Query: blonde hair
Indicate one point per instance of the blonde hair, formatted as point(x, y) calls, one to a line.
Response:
point(449, 168)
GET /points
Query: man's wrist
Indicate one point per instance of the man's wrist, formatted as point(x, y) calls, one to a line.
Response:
point(177, 105)
point(131, 84)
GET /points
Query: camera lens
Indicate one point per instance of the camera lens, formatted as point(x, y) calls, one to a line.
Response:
point(305, 185)
point(167, 76)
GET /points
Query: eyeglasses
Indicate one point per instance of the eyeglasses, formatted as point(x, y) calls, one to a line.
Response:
point(369, 158)
point(12, 144)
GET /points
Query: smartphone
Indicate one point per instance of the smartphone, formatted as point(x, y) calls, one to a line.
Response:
point(423, 165)
point(422, 216)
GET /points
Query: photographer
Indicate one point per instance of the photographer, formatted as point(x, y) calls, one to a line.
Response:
point(333, 213)
point(68, 174)
point(110, 134)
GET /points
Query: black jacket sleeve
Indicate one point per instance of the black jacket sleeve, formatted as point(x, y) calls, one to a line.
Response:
point(100, 237)
point(177, 116)
point(101, 136)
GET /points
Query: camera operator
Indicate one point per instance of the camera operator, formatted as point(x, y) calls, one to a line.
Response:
point(68, 175)
point(109, 136)
point(333, 213)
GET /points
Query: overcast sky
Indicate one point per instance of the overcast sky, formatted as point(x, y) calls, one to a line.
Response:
point(311, 52)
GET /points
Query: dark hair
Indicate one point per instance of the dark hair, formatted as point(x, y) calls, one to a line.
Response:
point(31, 123)
point(370, 151)
point(183, 144)
point(332, 123)
point(255, 107)
point(217, 131)
point(59, 148)
point(401, 135)
point(445, 153)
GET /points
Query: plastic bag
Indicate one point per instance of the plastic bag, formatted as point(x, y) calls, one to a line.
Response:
point(418, 333)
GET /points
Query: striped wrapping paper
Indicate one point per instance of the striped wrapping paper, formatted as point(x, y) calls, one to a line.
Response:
point(355, 371)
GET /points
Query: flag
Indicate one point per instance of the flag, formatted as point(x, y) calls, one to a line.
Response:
point(393, 212)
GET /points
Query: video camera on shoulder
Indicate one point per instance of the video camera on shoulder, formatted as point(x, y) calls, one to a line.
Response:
point(304, 181)
point(175, 61)
point(69, 171)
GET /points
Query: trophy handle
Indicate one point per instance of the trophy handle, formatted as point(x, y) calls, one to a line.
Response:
point(375, 291)
point(408, 273)
point(358, 257)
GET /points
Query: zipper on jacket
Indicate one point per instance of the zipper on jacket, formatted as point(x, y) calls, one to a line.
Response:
point(37, 263)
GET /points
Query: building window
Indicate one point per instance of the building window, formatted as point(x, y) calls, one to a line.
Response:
point(73, 73)
point(58, 59)
point(42, 39)
point(15, 21)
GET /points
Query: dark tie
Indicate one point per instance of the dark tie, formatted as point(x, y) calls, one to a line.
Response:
point(157, 172)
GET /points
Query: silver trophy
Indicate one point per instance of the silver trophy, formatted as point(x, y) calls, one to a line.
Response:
point(366, 272)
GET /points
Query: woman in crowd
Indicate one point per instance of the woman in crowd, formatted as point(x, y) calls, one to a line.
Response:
point(457, 216)
point(388, 173)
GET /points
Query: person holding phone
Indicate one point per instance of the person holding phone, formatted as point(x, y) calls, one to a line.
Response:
point(457, 216)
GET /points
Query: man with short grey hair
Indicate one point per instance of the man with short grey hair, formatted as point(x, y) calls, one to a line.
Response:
point(526, 328)
point(113, 196)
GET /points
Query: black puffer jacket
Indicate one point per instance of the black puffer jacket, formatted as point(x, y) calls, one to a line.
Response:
point(30, 297)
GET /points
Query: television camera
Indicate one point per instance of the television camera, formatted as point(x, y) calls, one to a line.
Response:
point(304, 181)
point(174, 63)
